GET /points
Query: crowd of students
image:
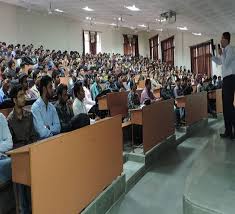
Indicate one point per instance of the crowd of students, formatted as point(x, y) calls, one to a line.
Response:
point(29, 74)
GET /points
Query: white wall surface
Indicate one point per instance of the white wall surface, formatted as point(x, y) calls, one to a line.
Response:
point(57, 32)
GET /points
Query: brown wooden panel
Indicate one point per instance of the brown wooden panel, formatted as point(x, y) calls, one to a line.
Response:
point(136, 116)
point(181, 102)
point(139, 92)
point(21, 168)
point(137, 78)
point(219, 102)
point(102, 103)
point(141, 84)
point(68, 172)
point(117, 103)
point(157, 92)
point(212, 95)
point(158, 123)
point(196, 107)
point(64, 80)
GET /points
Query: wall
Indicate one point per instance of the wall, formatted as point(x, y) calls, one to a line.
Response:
point(183, 41)
point(58, 32)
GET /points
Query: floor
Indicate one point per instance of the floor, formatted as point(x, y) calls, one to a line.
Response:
point(161, 189)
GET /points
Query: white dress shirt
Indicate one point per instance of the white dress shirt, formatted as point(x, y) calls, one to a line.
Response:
point(6, 143)
point(227, 60)
point(88, 102)
point(34, 93)
point(79, 107)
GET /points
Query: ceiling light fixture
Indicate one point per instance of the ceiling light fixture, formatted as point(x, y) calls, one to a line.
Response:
point(132, 8)
point(161, 20)
point(182, 28)
point(197, 34)
point(87, 9)
point(88, 18)
point(113, 24)
point(142, 25)
point(58, 10)
point(159, 29)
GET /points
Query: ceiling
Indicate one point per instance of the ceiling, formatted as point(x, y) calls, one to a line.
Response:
point(205, 16)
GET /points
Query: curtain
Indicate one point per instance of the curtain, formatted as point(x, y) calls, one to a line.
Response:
point(126, 45)
point(136, 45)
point(83, 39)
point(131, 45)
point(93, 42)
point(168, 51)
point(153, 44)
point(201, 59)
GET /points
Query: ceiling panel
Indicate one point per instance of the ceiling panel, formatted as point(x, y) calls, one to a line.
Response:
point(206, 16)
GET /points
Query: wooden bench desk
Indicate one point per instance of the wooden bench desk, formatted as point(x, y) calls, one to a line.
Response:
point(180, 102)
point(102, 103)
point(62, 168)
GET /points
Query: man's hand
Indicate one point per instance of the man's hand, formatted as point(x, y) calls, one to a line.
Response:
point(220, 51)
point(69, 103)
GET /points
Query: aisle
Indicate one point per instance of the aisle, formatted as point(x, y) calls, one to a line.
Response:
point(161, 189)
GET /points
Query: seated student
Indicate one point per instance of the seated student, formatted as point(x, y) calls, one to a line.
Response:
point(219, 83)
point(71, 82)
point(78, 104)
point(4, 90)
point(133, 97)
point(45, 117)
point(147, 95)
point(141, 77)
point(89, 103)
point(110, 84)
point(200, 86)
point(119, 83)
point(214, 80)
point(178, 92)
point(166, 91)
point(96, 88)
point(5, 145)
point(11, 70)
point(20, 121)
point(134, 103)
point(211, 105)
point(24, 82)
point(56, 79)
point(64, 108)
point(23, 133)
point(34, 91)
point(186, 86)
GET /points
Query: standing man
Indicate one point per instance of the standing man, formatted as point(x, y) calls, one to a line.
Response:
point(227, 60)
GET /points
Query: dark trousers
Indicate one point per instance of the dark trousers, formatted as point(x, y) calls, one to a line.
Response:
point(228, 91)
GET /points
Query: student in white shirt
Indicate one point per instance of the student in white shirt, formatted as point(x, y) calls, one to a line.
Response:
point(89, 103)
point(6, 144)
point(227, 60)
point(78, 104)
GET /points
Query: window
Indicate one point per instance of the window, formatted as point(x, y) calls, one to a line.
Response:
point(131, 45)
point(87, 42)
point(168, 49)
point(99, 50)
point(201, 58)
point(153, 45)
point(91, 42)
